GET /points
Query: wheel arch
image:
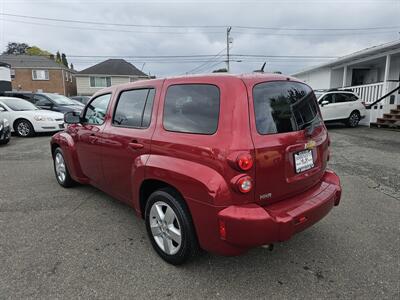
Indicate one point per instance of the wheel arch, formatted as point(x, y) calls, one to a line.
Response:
point(149, 186)
point(20, 119)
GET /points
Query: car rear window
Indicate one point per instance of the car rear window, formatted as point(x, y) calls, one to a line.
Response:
point(283, 106)
point(192, 108)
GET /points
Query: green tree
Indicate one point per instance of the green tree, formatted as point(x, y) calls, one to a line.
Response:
point(35, 50)
point(64, 60)
point(16, 48)
point(58, 57)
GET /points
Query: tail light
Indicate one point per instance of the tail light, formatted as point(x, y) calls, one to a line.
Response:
point(244, 161)
point(244, 184)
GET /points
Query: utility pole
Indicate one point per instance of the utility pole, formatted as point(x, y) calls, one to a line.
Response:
point(228, 41)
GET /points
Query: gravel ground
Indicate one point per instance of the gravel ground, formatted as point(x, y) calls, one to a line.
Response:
point(70, 243)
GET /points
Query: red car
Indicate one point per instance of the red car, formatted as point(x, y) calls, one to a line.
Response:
point(219, 162)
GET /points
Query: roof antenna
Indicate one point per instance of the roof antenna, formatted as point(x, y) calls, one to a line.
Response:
point(263, 66)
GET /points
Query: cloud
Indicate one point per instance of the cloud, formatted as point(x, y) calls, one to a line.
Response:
point(85, 39)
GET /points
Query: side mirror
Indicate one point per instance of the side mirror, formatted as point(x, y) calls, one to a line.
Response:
point(72, 117)
point(325, 102)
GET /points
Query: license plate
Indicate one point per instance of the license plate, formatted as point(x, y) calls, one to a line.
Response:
point(303, 161)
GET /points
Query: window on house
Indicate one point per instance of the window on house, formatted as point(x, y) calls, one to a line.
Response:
point(66, 76)
point(134, 108)
point(40, 74)
point(100, 82)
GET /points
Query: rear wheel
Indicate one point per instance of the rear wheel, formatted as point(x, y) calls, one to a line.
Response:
point(169, 227)
point(24, 128)
point(354, 119)
point(61, 170)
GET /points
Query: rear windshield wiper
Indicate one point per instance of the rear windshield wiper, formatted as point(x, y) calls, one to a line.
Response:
point(310, 125)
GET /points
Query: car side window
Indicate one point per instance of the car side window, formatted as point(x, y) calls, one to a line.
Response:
point(134, 108)
point(96, 110)
point(328, 98)
point(341, 98)
point(41, 101)
point(352, 97)
point(192, 108)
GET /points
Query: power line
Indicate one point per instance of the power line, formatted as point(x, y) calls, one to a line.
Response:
point(199, 26)
point(205, 63)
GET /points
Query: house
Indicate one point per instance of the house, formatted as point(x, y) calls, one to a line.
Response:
point(39, 74)
point(107, 73)
point(371, 73)
point(5, 77)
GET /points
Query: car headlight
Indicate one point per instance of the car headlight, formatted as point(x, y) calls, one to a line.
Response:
point(43, 118)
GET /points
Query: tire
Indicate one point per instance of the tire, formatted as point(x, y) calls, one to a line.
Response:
point(61, 170)
point(24, 128)
point(4, 142)
point(354, 119)
point(174, 238)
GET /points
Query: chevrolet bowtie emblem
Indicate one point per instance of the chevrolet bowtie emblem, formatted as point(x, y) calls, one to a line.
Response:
point(309, 145)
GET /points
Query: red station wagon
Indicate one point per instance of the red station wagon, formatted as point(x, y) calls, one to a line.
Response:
point(220, 162)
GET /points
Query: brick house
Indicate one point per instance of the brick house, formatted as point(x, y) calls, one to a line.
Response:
point(40, 74)
point(107, 73)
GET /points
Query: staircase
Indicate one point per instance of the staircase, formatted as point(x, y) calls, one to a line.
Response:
point(389, 121)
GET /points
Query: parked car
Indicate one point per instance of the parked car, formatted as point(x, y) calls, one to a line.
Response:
point(5, 130)
point(78, 103)
point(49, 101)
point(26, 119)
point(221, 162)
point(82, 99)
point(341, 106)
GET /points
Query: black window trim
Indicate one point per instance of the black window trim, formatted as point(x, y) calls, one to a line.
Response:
point(87, 106)
point(192, 83)
point(148, 88)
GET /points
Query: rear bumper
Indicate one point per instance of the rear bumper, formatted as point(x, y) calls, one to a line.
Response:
point(250, 225)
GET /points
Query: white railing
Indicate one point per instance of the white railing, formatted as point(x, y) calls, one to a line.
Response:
point(369, 92)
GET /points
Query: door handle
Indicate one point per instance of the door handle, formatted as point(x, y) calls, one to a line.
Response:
point(135, 145)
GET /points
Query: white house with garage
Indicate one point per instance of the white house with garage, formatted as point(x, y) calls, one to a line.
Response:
point(371, 73)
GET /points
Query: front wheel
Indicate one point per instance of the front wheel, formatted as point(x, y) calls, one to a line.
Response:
point(24, 128)
point(61, 170)
point(354, 119)
point(169, 227)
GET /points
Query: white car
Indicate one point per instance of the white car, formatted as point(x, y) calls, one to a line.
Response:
point(341, 106)
point(26, 119)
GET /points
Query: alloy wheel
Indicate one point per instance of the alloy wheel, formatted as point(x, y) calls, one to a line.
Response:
point(353, 120)
point(165, 228)
point(23, 129)
point(60, 167)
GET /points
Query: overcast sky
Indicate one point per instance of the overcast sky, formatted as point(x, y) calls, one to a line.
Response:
point(77, 39)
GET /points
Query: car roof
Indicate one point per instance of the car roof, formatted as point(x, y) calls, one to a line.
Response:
point(247, 78)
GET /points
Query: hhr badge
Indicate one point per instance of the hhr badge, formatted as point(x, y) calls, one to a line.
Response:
point(265, 196)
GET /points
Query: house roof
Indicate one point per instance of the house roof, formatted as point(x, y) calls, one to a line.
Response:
point(118, 67)
point(30, 61)
point(395, 45)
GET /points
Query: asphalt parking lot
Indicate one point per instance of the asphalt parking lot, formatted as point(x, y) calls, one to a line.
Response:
point(79, 242)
